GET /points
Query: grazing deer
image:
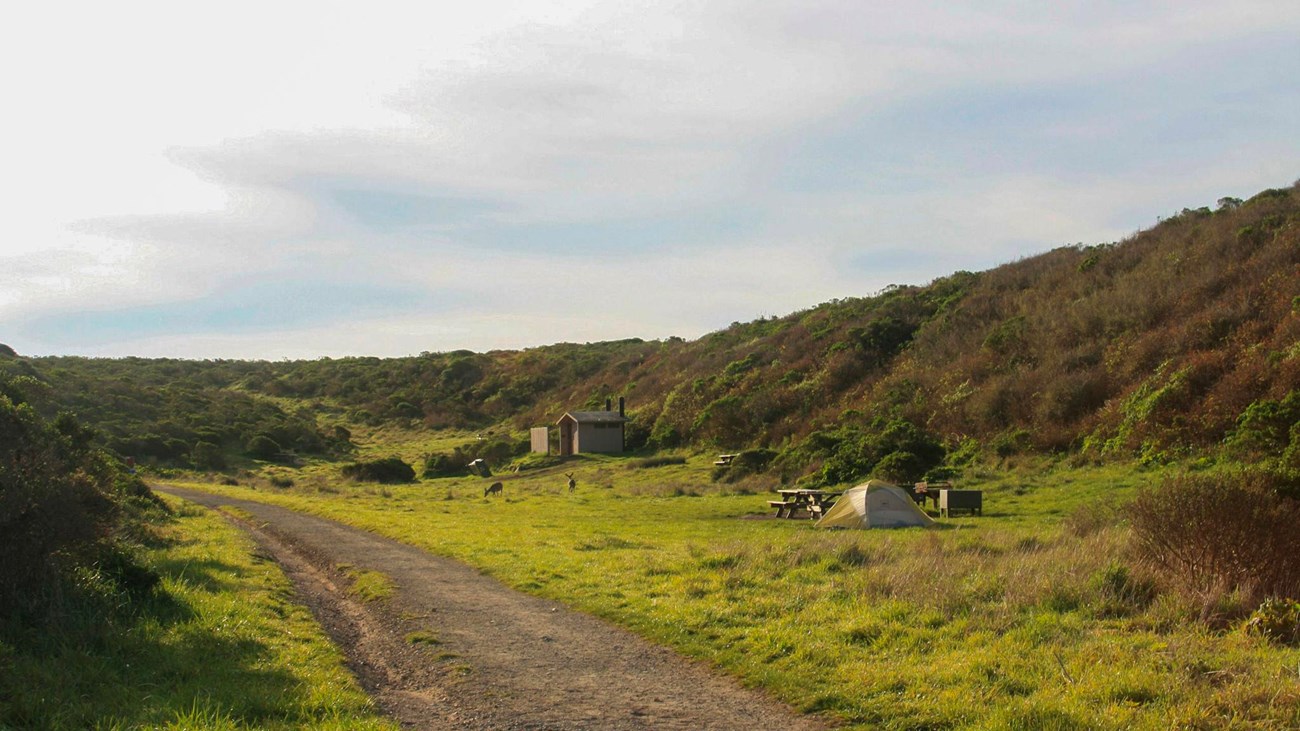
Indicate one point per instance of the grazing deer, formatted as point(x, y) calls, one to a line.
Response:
point(573, 484)
point(493, 488)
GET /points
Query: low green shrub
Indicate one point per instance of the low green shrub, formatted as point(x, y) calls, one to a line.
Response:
point(1278, 620)
point(445, 464)
point(207, 456)
point(496, 451)
point(388, 470)
point(263, 447)
point(745, 464)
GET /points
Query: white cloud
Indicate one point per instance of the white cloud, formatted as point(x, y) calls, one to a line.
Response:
point(166, 152)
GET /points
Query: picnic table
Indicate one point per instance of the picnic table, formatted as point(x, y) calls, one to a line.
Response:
point(724, 459)
point(814, 502)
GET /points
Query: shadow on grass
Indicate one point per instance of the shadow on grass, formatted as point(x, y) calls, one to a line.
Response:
point(210, 575)
point(105, 660)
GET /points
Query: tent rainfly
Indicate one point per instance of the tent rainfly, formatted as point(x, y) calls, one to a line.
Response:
point(874, 504)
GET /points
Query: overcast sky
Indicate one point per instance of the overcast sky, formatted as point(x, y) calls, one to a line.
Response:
point(299, 179)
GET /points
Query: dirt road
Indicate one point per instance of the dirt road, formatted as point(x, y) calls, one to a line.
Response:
point(454, 649)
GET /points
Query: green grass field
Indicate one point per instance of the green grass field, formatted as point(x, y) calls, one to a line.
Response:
point(221, 646)
point(1024, 618)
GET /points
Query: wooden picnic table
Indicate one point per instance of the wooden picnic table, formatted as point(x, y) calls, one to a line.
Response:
point(814, 502)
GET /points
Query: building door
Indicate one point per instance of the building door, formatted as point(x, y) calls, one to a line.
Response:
point(567, 434)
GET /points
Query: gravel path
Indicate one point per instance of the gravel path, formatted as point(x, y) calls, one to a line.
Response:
point(454, 649)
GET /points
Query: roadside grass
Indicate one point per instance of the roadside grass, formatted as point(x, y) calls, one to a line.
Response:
point(1026, 617)
point(220, 645)
point(369, 586)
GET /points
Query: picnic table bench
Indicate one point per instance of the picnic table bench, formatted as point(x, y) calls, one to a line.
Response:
point(782, 506)
point(814, 502)
point(724, 459)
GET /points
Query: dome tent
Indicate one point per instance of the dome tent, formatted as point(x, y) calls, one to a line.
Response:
point(874, 504)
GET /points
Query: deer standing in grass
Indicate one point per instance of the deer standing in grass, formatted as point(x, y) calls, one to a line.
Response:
point(495, 487)
point(573, 484)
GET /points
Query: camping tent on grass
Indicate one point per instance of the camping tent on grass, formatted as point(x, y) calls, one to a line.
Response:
point(874, 504)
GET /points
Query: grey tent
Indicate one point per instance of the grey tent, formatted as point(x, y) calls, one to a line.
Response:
point(874, 504)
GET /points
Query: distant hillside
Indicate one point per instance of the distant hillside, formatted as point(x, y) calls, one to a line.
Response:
point(1175, 339)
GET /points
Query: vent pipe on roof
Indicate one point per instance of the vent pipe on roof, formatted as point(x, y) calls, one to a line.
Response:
point(620, 406)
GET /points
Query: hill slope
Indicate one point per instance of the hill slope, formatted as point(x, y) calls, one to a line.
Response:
point(1165, 342)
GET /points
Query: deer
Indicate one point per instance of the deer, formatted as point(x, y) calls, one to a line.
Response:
point(495, 487)
point(573, 484)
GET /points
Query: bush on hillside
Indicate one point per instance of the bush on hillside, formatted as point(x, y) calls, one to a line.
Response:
point(894, 449)
point(496, 451)
point(745, 464)
point(263, 447)
point(207, 456)
point(446, 464)
point(1266, 427)
point(389, 470)
point(900, 467)
point(64, 505)
point(635, 435)
point(1211, 535)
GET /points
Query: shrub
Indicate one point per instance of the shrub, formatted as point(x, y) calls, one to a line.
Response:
point(1010, 442)
point(207, 456)
point(262, 447)
point(389, 470)
point(496, 451)
point(752, 461)
point(446, 464)
point(635, 435)
point(407, 410)
point(1265, 426)
point(906, 450)
point(1214, 534)
point(745, 464)
point(64, 506)
point(1278, 620)
point(902, 467)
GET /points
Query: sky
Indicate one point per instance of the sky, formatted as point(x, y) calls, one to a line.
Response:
point(271, 180)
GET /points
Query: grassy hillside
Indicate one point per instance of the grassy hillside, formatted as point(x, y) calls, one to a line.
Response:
point(1170, 341)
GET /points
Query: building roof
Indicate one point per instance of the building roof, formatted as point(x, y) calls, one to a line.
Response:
point(595, 417)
